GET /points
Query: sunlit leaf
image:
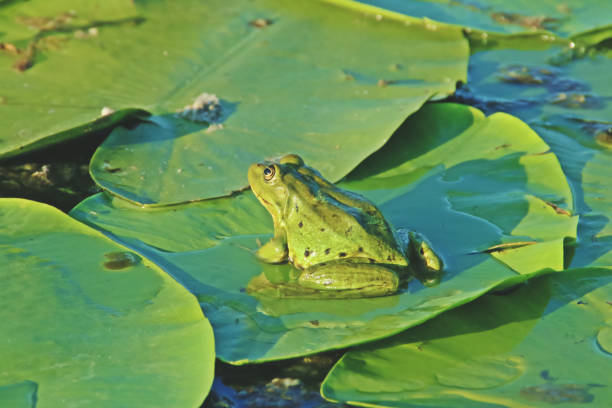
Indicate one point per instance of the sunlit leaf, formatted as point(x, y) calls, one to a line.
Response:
point(544, 343)
point(565, 94)
point(317, 78)
point(87, 322)
point(466, 181)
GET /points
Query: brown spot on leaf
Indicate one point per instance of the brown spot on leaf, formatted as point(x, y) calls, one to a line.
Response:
point(300, 224)
point(558, 209)
point(306, 252)
point(314, 322)
point(261, 22)
point(503, 146)
point(342, 254)
point(360, 249)
point(23, 64)
point(121, 260)
point(327, 251)
point(8, 47)
point(384, 82)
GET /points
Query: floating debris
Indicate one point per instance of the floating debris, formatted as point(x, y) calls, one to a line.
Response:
point(206, 108)
point(531, 22)
point(575, 100)
point(557, 393)
point(42, 175)
point(522, 74)
point(106, 111)
point(283, 383)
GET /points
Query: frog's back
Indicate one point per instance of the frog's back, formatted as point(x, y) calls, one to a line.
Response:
point(325, 223)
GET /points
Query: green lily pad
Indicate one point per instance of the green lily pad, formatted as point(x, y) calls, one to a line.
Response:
point(587, 165)
point(85, 319)
point(466, 181)
point(563, 18)
point(352, 92)
point(307, 77)
point(564, 94)
point(533, 347)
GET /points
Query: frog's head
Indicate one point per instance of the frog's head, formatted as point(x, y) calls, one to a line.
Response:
point(266, 181)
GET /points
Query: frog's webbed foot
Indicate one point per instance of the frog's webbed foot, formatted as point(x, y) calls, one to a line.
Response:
point(273, 251)
point(345, 279)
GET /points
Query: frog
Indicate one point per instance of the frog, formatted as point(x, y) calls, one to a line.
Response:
point(339, 241)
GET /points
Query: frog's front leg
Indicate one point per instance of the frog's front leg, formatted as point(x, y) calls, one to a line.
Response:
point(350, 279)
point(274, 251)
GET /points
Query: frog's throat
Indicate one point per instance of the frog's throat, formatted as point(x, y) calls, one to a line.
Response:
point(260, 198)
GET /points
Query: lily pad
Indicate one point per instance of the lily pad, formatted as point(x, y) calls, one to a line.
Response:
point(467, 182)
point(564, 93)
point(533, 347)
point(353, 92)
point(587, 165)
point(270, 77)
point(563, 18)
point(85, 319)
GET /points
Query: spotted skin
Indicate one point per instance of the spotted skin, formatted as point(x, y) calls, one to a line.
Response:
point(339, 239)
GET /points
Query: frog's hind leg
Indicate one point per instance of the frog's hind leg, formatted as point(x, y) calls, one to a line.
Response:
point(346, 279)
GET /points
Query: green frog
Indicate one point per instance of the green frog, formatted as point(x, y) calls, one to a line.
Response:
point(339, 240)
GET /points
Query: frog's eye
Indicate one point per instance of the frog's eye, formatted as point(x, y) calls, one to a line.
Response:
point(269, 173)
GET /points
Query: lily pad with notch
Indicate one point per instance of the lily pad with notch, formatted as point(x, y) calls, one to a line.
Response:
point(532, 347)
point(277, 67)
point(443, 174)
point(83, 317)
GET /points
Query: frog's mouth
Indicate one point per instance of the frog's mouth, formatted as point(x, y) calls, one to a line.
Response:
point(260, 198)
